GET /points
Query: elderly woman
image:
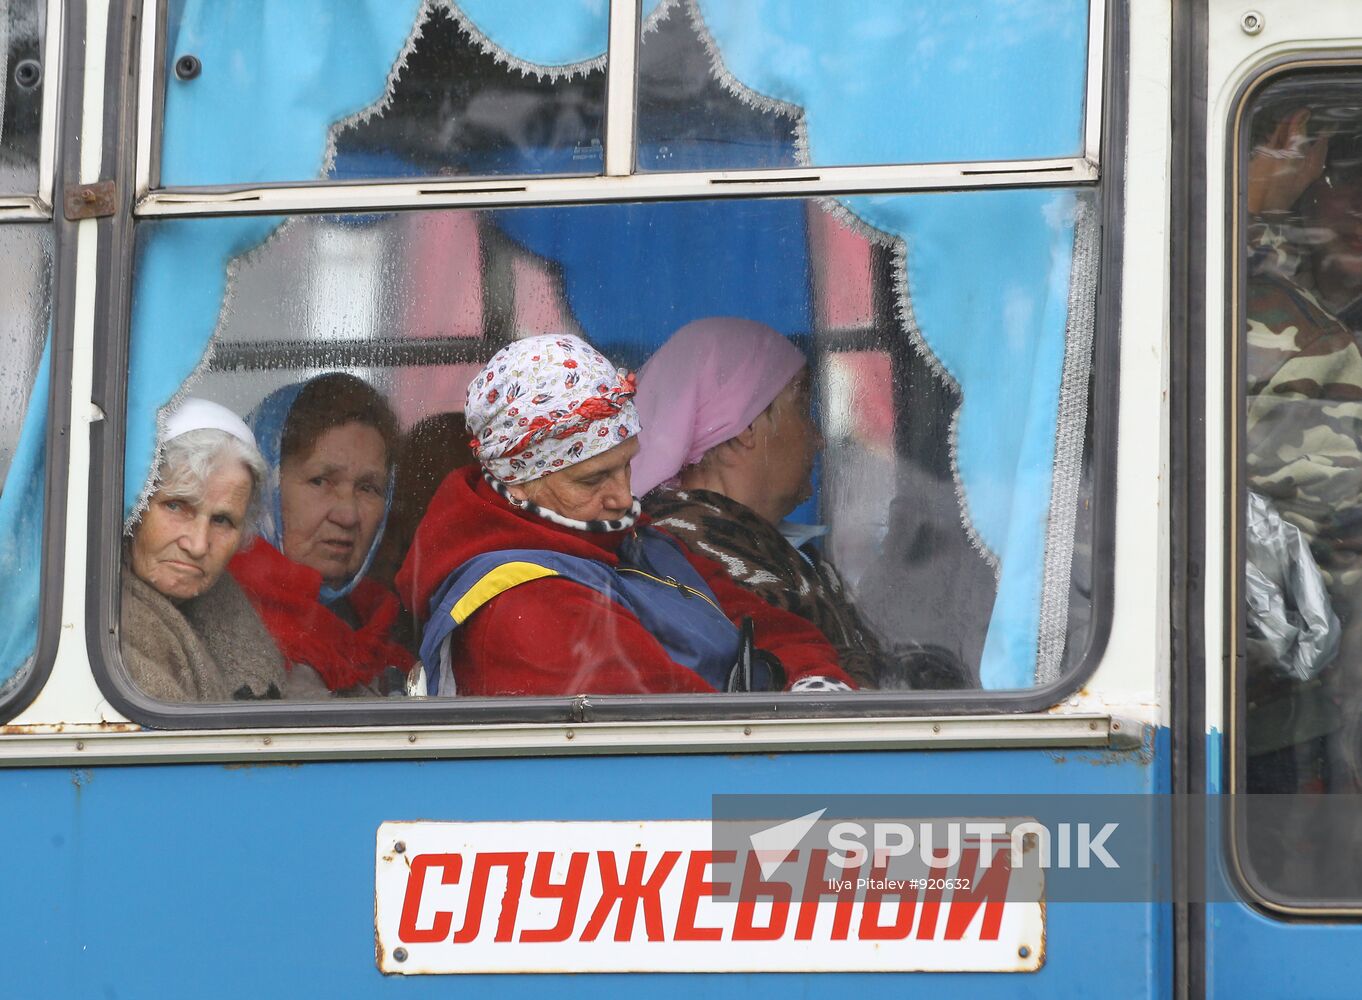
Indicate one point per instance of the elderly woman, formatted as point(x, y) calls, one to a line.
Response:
point(540, 576)
point(188, 632)
point(329, 444)
point(725, 408)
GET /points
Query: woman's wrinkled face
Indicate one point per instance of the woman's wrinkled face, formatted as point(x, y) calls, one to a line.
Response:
point(332, 500)
point(787, 443)
point(595, 490)
point(181, 546)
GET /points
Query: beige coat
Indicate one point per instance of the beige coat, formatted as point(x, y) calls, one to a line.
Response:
point(211, 648)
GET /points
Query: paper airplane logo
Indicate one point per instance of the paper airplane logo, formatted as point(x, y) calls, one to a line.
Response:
point(774, 844)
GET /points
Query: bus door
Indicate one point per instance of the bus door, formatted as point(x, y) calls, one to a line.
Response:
point(1282, 141)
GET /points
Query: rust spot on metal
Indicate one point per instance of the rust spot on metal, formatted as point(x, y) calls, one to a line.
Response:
point(89, 201)
point(47, 728)
point(82, 777)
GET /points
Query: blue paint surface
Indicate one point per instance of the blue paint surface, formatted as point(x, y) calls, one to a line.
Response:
point(210, 881)
point(1252, 954)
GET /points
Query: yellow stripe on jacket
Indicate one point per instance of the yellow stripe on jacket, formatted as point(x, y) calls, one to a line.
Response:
point(498, 581)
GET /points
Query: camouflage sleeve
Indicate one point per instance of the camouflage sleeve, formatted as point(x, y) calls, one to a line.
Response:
point(1304, 419)
point(1270, 250)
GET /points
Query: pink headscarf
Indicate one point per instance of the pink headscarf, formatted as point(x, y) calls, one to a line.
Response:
point(704, 386)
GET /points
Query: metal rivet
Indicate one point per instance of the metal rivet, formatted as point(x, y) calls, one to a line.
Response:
point(1092, 725)
point(936, 727)
point(747, 730)
point(1252, 22)
point(188, 67)
point(400, 847)
point(80, 745)
point(267, 741)
point(571, 734)
point(400, 954)
point(27, 73)
point(1115, 727)
point(1023, 951)
point(411, 737)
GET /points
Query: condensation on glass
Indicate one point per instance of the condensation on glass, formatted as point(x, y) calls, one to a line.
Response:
point(25, 318)
point(400, 90)
point(1301, 454)
point(950, 376)
point(21, 94)
point(733, 84)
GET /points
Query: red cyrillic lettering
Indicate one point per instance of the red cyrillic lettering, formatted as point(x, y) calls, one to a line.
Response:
point(906, 893)
point(411, 903)
point(988, 890)
point(629, 894)
point(570, 892)
point(931, 903)
point(753, 888)
point(695, 888)
point(514, 863)
point(816, 886)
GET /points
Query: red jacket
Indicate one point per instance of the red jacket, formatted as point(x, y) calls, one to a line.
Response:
point(287, 596)
point(556, 637)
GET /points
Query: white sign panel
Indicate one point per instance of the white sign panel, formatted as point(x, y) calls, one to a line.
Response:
point(657, 897)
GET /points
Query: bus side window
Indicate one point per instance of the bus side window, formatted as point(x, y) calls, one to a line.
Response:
point(946, 337)
point(1300, 620)
point(26, 260)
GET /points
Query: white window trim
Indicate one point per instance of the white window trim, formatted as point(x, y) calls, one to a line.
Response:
point(621, 85)
point(618, 183)
point(128, 745)
point(283, 199)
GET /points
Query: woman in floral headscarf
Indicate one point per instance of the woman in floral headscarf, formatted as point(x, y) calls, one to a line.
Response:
point(539, 576)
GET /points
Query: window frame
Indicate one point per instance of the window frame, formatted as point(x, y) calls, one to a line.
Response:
point(37, 207)
point(1106, 72)
point(619, 180)
point(1235, 676)
point(63, 75)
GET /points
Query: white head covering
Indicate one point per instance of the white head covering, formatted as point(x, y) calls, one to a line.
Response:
point(195, 414)
point(545, 403)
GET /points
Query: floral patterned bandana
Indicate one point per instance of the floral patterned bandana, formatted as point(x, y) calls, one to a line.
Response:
point(545, 403)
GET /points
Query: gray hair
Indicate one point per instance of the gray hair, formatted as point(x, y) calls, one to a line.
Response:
point(188, 460)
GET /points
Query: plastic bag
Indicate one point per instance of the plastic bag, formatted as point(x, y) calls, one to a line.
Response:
point(1292, 627)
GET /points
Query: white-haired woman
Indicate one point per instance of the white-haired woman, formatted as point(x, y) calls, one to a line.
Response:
point(188, 631)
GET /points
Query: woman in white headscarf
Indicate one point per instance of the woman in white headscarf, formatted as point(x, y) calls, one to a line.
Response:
point(188, 632)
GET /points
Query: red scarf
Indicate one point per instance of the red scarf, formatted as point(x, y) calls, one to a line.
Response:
point(286, 595)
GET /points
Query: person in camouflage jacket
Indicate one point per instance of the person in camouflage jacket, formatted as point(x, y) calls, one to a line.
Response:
point(1302, 370)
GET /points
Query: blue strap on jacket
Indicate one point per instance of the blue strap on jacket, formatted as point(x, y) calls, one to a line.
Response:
point(654, 581)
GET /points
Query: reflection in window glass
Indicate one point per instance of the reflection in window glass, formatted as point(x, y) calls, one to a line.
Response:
point(25, 314)
point(1302, 454)
point(381, 90)
point(870, 451)
point(731, 84)
point(21, 90)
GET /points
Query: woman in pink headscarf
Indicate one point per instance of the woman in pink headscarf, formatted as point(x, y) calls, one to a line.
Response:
point(726, 452)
